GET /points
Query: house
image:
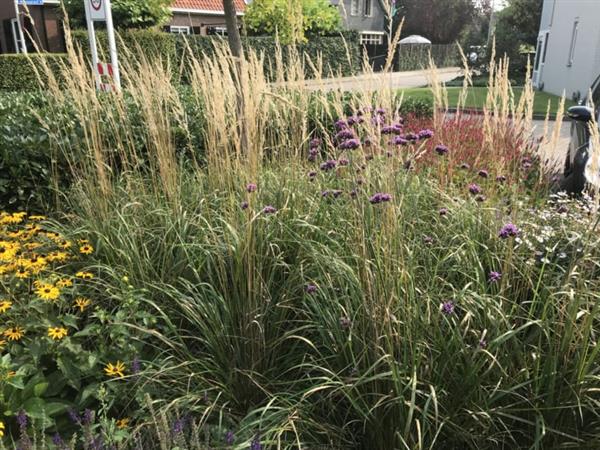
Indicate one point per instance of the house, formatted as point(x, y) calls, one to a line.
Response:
point(568, 49)
point(40, 23)
point(365, 16)
point(201, 16)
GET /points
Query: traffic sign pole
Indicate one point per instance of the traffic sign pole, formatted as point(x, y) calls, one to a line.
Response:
point(100, 11)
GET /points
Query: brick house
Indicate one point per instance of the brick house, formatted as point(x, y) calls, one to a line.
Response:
point(41, 24)
point(201, 16)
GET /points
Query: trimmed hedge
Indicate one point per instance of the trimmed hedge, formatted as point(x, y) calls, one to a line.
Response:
point(416, 56)
point(17, 71)
point(174, 48)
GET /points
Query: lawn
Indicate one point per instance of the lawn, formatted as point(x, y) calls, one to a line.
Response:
point(477, 96)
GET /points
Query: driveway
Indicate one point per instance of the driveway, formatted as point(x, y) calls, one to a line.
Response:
point(395, 80)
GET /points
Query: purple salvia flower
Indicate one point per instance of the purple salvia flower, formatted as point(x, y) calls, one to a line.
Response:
point(508, 230)
point(380, 197)
point(441, 149)
point(448, 307)
point(22, 420)
point(494, 276)
point(177, 427)
point(88, 416)
point(136, 366)
point(255, 444)
point(229, 438)
point(269, 209)
point(74, 416)
point(475, 189)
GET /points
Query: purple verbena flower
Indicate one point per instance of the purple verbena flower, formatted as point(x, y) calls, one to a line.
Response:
point(343, 162)
point(229, 438)
point(494, 276)
point(244, 205)
point(448, 307)
point(465, 166)
point(443, 211)
point(345, 134)
point(380, 111)
point(350, 144)
point(480, 198)
point(411, 137)
point(428, 240)
point(310, 288)
point(251, 187)
point(425, 134)
point(269, 209)
point(136, 365)
point(316, 142)
point(178, 427)
point(508, 230)
point(500, 178)
point(340, 124)
point(475, 189)
point(483, 173)
point(255, 444)
point(441, 149)
point(388, 129)
point(399, 140)
point(328, 165)
point(380, 197)
point(336, 193)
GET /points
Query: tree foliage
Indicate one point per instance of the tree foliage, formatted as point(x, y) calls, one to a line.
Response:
point(441, 21)
point(292, 20)
point(126, 13)
point(516, 29)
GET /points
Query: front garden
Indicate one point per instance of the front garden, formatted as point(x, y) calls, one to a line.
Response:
point(234, 264)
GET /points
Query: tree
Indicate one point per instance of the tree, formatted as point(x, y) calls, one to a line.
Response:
point(291, 20)
point(126, 13)
point(516, 31)
point(441, 21)
point(233, 31)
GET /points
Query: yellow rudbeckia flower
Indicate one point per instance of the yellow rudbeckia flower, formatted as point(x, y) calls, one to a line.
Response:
point(57, 333)
point(115, 370)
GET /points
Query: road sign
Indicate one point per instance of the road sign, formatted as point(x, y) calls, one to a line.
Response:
point(96, 11)
point(30, 2)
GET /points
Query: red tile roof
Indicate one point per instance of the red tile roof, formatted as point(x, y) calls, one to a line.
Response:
point(207, 5)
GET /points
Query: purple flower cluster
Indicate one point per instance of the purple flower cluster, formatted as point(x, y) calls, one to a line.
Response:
point(310, 289)
point(483, 173)
point(399, 140)
point(269, 209)
point(341, 124)
point(448, 307)
point(380, 197)
point(494, 276)
point(508, 230)
point(251, 187)
point(345, 134)
point(443, 211)
point(328, 165)
point(475, 189)
point(349, 144)
point(425, 134)
point(441, 149)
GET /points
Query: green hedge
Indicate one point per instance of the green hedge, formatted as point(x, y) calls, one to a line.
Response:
point(17, 71)
point(416, 56)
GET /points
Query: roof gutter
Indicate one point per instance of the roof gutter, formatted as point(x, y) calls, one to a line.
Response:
point(205, 12)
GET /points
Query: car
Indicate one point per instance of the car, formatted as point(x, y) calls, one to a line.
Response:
point(576, 171)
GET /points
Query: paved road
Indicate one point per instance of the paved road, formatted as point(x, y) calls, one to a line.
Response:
point(417, 78)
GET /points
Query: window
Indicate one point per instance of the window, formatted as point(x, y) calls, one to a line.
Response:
point(354, 7)
point(179, 30)
point(216, 31)
point(368, 9)
point(16, 32)
point(371, 37)
point(573, 42)
point(545, 47)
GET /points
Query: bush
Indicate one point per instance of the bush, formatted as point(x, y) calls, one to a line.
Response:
point(18, 72)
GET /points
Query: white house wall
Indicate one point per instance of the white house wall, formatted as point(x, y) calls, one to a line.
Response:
point(559, 17)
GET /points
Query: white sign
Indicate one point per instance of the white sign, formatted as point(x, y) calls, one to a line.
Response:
point(97, 9)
